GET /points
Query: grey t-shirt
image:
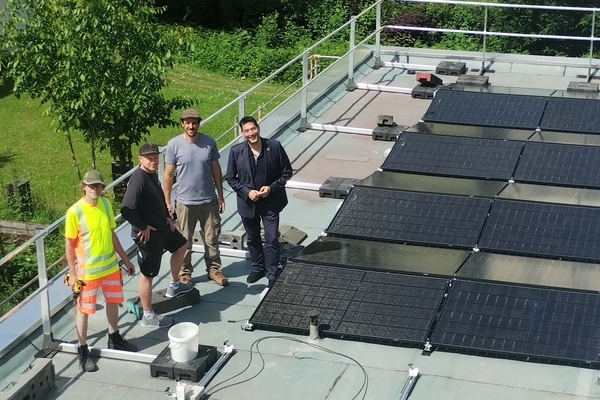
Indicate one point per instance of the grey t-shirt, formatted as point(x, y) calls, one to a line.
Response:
point(192, 161)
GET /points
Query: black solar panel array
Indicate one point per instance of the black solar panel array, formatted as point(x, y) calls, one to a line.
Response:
point(531, 162)
point(516, 320)
point(365, 305)
point(454, 156)
point(535, 242)
point(397, 216)
point(394, 308)
point(488, 109)
point(560, 164)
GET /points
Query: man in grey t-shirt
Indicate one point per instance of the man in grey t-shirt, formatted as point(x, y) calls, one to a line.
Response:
point(194, 158)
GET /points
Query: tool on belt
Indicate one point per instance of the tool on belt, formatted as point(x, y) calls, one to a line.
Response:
point(79, 284)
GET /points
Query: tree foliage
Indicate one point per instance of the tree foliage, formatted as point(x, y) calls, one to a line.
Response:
point(98, 64)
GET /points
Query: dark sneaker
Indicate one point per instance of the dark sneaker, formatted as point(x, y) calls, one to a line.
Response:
point(118, 342)
point(255, 276)
point(158, 321)
point(181, 288)
point(216, 275)
point(85, 360)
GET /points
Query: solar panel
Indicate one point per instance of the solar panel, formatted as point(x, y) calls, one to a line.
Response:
point(572, 115)
point(488, 109)
point(539, 229)
point(474, 131)
point(365, 305)
point(565, 325)
point(394, 307)
point(486, 316)
point(304, 287)
point(432, 184)
point(454, 156)
point(566, 138)
point(363, 254)
point(506, 319)
point(560, 164)
point(551, 194)
point(397, 216)
point(531, 271)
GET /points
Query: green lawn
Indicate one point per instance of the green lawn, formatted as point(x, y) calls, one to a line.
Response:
point(31, 149)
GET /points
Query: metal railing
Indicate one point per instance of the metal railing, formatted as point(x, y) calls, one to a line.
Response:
point(486, 33)
point(239, 103)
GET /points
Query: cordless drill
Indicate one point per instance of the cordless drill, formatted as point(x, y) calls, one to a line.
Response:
point(79, 284)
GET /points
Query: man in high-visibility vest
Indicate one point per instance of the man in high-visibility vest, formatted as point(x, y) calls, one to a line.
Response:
point(91, 247)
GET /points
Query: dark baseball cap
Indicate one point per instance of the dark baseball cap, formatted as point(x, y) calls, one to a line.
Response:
point(149, 148)
point(92, 177)
point(190, 113)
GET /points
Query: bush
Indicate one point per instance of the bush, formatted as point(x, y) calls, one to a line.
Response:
point(23, 268)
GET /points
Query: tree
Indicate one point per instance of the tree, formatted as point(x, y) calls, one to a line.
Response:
point(98, 64)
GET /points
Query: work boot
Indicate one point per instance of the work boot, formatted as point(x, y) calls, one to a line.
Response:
point(85, 360)
point(185, 275)
point(255, 276)
point(118, 342)
point(216, 275)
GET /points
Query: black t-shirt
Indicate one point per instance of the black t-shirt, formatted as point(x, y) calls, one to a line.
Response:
point(144, 202)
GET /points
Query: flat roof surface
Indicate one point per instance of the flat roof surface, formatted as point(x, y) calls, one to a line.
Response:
point(274, 365)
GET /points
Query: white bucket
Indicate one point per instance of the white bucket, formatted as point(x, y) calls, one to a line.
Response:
point(183, 339)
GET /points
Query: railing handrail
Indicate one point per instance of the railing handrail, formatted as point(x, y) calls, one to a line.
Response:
point(486, 32)
point(493, 33)
point(504, 5)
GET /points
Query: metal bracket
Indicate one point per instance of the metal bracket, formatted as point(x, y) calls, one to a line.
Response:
point(196, 392)
point(413, 375)
point(248, 327)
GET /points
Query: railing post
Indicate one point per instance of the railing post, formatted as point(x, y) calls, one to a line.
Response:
point(378, 64)
point(44, 296)
point(589, 77)
point(242, 105)
point(485, 23)
point(241, 112)
point(351, 85)
point(304, 125)
point(161, 164)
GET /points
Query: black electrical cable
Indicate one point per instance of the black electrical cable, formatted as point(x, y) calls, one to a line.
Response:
point(364, 386)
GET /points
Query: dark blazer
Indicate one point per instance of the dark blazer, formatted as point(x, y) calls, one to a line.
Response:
point(240, 178)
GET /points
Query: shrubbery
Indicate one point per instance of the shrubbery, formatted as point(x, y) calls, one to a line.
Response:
point(23, 268)
point(255, 53)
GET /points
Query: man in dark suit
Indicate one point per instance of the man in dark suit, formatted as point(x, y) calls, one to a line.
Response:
point(258, 170)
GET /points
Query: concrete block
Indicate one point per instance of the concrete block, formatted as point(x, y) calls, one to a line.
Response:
point(33, 383)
